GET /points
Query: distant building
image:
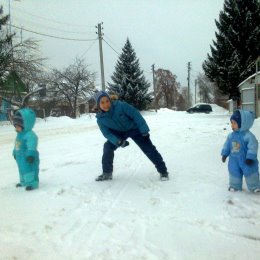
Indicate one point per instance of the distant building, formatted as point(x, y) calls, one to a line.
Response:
point(250, 94)
point(4, 108)
point(232, 105)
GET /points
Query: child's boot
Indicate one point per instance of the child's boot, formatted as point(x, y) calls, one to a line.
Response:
point(104, 176)
point(232, 189)
point(28, 188)
point(164, 176)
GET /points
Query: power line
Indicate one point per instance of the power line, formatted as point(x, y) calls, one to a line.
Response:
point(52, 36)
point(51, 20)
point(109, 39)
point(119, 55)
point(111, 47)
point(193, 76)
point(196, 71)
point(147, 72)
point(89, 48)
point(48, 27)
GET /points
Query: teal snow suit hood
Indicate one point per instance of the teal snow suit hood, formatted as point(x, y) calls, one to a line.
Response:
point(28, 117)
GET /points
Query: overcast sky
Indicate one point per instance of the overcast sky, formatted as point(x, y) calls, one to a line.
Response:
point(167, 33)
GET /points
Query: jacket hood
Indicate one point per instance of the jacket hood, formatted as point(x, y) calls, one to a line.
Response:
point(29, 118)
point(247, 119)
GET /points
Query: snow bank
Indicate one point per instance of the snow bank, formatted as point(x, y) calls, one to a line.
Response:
point(135, 216)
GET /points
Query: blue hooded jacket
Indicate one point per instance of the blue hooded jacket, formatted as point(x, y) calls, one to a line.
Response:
point(26, 145)
point(121, 117)
point(241, 145)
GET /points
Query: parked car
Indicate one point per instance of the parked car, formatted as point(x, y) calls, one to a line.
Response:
point(56, 112)
point(200, 108)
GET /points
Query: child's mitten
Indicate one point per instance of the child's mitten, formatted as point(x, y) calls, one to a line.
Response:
point(30, 159)
point(249, 161)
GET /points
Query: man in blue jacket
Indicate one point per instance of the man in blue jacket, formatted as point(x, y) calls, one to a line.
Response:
point(241, 146)
point(118, 121)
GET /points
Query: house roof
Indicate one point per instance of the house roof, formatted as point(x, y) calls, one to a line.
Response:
point(252, 76)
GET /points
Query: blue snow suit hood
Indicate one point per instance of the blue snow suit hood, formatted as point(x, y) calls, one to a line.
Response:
point(247, 120)
point(241, 145)
point(121, 117)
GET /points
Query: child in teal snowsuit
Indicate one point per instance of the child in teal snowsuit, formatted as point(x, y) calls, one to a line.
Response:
point(241, 146)
point(25, 151)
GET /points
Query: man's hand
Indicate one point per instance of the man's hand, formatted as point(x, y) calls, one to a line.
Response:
point(146, 135)
point(123, 143)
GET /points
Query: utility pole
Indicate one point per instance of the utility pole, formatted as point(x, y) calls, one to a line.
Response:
point(21, 34)
point(189, 68)
point(195, 91)
point(257, 87)
point(11, 41)
point(154, 90)
point(100, 34)
point(10, 22)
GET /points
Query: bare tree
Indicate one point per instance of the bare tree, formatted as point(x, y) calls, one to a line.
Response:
point(20, 72)
point(26, 60)
point(166, 88)
point(19, 63)
point(206, 88)
point(182, 101)
point(73, 84)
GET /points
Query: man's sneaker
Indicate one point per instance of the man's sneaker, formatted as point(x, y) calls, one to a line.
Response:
point(104, 177)
point(29, 188)
point(256, 190)
point(232, 189)
point(18, 185)
point(164, 176)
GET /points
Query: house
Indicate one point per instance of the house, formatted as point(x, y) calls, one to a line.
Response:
point(4, 108)
point(232, 105)
point(11, 88)
point(250, 93)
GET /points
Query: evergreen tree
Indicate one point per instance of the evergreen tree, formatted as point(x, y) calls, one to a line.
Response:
point(129, 82)
point(237, 45)
point(5, 45)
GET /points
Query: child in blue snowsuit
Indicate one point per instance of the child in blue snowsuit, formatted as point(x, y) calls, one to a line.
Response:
point(118, 121)
point(25, 151)
point(241, 146)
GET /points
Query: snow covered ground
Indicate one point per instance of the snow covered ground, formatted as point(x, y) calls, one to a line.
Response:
point(135, 216)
